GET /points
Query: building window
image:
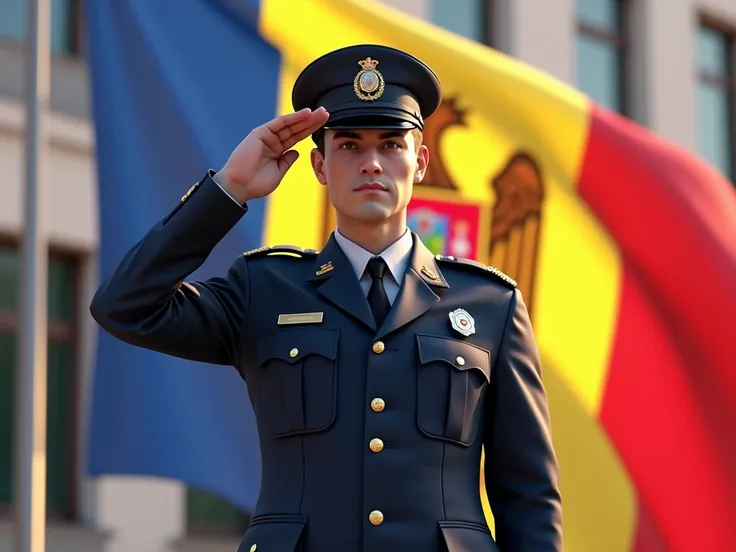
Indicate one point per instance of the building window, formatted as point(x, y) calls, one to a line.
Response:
point(62, 381)
point(468, 18)
point(599, 46)
point(65, 23)
point(209, 514)
point(715, 98)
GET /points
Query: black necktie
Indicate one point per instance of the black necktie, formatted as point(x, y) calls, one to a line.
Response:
point(377, 298)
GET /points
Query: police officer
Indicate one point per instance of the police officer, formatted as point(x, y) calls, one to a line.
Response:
point(378, 372)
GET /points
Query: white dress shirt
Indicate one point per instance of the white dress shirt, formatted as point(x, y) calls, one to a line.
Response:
point(397, 257)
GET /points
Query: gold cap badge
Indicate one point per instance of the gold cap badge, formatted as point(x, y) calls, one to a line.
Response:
point(368, 83)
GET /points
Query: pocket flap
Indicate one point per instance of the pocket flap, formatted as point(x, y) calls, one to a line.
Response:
point(273, 533)
point(465, 536)
point(295, 344)
point(460, 354)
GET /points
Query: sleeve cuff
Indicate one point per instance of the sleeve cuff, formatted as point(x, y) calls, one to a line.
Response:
point(214, 178)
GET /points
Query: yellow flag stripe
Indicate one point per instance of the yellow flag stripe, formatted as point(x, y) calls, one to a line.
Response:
point(510, 108)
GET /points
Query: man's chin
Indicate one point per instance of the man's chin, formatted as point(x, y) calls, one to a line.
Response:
point(373, 213)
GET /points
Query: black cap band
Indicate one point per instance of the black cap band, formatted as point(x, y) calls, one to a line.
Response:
point(396, 102)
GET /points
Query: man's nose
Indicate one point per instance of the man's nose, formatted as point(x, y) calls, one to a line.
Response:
point(371, 164)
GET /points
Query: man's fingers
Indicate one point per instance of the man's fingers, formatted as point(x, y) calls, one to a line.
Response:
point(304, 124)
point(315, 121)
point(284, 132)
point(296, 119)
point(300, 130)
point(272, 142)
point(298, 137)
point(284, 121)
point(315, 124)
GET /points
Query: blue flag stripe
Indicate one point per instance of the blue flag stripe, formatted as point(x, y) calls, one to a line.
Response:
point(176, 86)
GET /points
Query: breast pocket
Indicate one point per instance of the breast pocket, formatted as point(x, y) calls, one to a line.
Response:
point(452, 379)
point(465, 536)
point(298, 383)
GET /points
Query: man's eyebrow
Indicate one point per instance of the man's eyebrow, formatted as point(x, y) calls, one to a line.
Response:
point(393, 134)
point(382, 136)
point(346, 134)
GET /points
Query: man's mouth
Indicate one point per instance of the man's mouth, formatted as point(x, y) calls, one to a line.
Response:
point(371, 187)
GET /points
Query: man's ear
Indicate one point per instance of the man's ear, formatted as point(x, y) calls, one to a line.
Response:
point(422, 164)
point(318, 163)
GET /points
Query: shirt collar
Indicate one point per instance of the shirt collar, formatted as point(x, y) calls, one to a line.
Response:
point(397, 255)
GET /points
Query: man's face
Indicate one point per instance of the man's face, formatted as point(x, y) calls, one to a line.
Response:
point(370, 174)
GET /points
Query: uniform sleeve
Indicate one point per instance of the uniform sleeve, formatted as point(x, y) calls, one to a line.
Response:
point(521, 470)
point(145, 302)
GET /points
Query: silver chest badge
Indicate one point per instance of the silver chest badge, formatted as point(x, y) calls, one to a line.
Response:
point(462, 322)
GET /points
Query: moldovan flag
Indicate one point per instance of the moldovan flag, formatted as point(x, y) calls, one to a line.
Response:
point(623, 245)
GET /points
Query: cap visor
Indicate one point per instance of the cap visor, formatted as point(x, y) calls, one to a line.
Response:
point(374, 118)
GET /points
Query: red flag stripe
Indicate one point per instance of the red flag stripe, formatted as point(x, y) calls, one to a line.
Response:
point(648, 538)
point(657, 424)
point(674, 219)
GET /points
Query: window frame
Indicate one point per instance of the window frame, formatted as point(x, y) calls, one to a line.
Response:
point(619, 40)
point(76, 34)
point(66, 331)
point(724, 83)
point(76, 28)
point(486, 15)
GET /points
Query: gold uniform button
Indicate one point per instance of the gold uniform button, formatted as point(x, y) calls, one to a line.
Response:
point(460, 361)
point(376, 517)
point(293, 352)
point(378, 404)
point(253, 548)
point(376, 445)
point(378, 347)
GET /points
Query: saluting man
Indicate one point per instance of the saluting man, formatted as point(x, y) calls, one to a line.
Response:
point(377, 371)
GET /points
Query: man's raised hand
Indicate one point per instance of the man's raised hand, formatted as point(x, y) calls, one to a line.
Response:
point(258, 164)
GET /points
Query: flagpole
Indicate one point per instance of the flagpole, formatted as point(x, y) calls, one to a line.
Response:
point(30, 425)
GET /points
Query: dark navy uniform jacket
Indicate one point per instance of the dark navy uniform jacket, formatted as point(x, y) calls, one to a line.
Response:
point(371, 437)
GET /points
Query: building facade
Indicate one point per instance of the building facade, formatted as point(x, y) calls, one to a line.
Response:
point(667, 64)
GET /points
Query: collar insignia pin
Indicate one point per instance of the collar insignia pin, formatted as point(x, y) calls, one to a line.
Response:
point(325, 268)
point(430, 274)
point(462, 322)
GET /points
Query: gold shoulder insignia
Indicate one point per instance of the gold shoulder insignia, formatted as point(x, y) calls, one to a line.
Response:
point(256, 251)
point(492, 270)
point(284, 250)
point(502, 276)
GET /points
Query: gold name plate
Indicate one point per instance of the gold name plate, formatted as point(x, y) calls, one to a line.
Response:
point(301, 318)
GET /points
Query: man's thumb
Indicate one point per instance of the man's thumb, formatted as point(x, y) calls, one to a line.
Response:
point(287, 160)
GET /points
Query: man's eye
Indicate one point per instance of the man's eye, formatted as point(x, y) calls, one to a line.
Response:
point(347, 145)
point(393, 145)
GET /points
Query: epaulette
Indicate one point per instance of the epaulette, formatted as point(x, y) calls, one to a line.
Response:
point(492, 270)
point(287, 250)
